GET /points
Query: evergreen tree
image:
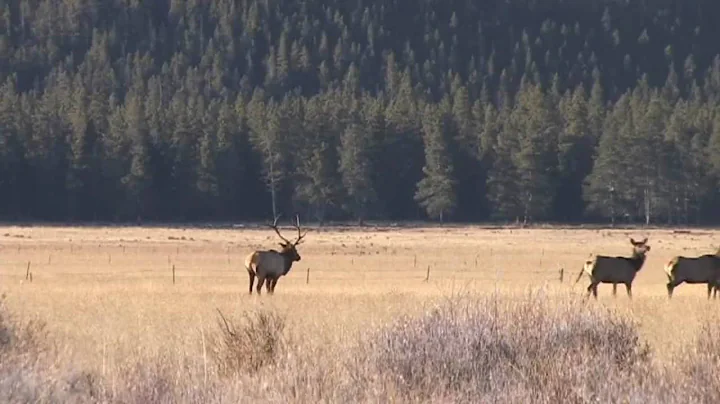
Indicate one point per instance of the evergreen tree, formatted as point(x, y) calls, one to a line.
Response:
point(713, 150)
point(264, 124)
point(12, 154)
point(436, 190)
point(318, 183)
point(609, 185)
point(357, 170)
point(207, 180)
point(139, 178)
point(575, 149)
point(80, 179)
point(537, 152)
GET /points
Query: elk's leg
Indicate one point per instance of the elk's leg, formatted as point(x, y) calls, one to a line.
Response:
point(252, 280)
point(592, 288)
point(274, 282)
point(614, 289)
point(628, 286)
point(261, 280)
point(268, 285)
point(710, 288)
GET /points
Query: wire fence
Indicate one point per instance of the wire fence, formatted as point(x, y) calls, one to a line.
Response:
point(176, 271)
point(132, 261)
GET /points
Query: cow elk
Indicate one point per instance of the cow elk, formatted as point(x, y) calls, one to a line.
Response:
point(694, 270)
point(606, 269)
point(269, 265)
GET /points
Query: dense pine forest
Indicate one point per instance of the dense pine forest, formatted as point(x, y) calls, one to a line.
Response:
point(460, 110)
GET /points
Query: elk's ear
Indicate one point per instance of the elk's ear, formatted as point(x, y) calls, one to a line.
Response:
point(632, 241)
point(645, 241)
point(283, 245)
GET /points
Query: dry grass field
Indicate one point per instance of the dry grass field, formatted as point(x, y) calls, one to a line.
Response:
point(108, 299)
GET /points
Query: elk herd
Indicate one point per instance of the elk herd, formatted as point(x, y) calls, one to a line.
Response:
point(269, 265)
point(704, 269)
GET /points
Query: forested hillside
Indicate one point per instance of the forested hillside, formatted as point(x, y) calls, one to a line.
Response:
point(535, 110)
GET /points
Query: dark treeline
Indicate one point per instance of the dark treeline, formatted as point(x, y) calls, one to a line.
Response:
point(530, 110)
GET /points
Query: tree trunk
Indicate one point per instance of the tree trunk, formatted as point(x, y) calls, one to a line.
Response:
point(647, 206)
point(272, 189)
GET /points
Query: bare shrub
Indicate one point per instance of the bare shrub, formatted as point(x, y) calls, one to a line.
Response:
point(21, 338)
point(467, 350)
point(256, 343)
point(29, 371)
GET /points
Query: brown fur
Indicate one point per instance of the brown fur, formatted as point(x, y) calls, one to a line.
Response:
point(694, 270)
point(270, 265)
point(614, 270)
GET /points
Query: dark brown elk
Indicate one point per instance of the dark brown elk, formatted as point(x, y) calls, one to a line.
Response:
point(269, 265)
point(694, 270)
point(606, 269)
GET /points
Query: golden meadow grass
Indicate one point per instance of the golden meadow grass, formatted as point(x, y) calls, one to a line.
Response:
point(108, 298)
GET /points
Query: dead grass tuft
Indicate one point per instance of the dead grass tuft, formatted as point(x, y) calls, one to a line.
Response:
point(701, 365)
point(257, 342)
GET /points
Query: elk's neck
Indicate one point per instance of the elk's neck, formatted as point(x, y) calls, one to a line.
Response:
point(637, 261)
point(287, 261)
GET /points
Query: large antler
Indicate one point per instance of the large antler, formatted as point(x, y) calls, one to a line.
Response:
point(274, 227)
point(297, 226)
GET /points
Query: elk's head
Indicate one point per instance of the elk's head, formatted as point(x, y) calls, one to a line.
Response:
point(640, 247)
point(288, 247)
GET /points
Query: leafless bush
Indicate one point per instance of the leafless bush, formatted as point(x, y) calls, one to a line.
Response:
point(28, 362)
point(468, 350)
point(21, 338)
point(256, 343)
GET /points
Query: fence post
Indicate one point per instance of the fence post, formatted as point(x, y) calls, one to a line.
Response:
point(427, 277)
point(173, 269)
point(562, 273)
point(307, 277)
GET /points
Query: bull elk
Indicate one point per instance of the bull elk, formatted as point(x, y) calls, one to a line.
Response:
point(270, 265)
point(694, 270)
point(606, 269)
